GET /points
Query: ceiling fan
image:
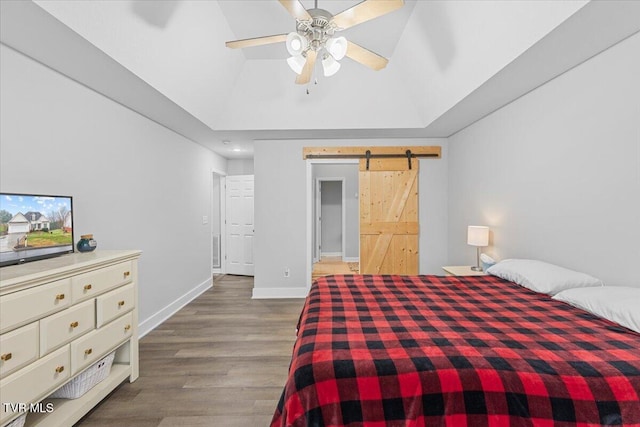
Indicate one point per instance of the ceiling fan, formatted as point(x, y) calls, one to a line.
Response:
point(315, 36)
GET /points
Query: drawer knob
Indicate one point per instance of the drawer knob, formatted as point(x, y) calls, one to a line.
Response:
point(87, 287)
point(59, 369)
point(126, 328)
point(127, 273)
point(88, 351)
point(74, 324)
point(60, 297)
point(6, 356)
point(120, 303)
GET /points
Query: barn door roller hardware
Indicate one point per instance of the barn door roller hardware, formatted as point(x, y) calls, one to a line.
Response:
point(369, 153)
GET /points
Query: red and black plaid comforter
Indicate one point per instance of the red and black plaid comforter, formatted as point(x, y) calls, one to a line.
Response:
point(458, 351)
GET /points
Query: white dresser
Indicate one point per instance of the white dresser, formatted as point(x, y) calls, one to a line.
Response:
point(58, 317)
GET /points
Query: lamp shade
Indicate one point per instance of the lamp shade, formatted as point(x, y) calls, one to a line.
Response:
point(337, 47)
point(478, 235)
point(296, 63)
point(330, 66)
point(296, 44)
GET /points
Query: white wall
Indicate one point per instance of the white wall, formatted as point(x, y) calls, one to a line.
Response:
point(135, 184)
point(281, 207)
point(556, 174)
point(240, 167)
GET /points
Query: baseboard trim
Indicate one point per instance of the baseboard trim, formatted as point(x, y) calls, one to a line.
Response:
point(269, 293)
point(351, 259)
point(330, 254)
point(157, 319)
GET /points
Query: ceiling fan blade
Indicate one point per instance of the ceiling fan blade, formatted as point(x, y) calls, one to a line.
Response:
point(305, 76)
point(296, 9)
point(365, 11)
point(366, 57)
point(257, 41)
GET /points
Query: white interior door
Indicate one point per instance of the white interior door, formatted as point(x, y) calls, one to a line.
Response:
point(239, 225)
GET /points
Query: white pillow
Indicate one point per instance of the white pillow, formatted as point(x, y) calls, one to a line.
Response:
point(541, 276)
point(620, 304)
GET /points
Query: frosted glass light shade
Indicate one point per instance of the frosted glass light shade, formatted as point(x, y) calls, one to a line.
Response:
point(296, 63)
point(478, 235)
point(330, 66)
point(296, 44)
point(337, 47)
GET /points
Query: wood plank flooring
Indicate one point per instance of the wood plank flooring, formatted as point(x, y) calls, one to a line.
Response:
point(220, 361)
point(333, 265)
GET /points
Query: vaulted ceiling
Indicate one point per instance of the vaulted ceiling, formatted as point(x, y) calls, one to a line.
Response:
point(450, 62)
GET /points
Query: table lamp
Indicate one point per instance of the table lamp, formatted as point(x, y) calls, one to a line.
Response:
point(478, 236)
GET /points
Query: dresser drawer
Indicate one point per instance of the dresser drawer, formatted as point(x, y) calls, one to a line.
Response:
point(34, 381)
point(18, 348)
point(114, 304)
point(20, 308)
point(87, 285)
point(62, 327)
point(95, 345)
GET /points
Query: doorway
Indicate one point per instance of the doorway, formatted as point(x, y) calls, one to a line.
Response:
point(217, 221)
point(330, 225)
point(330, 218)
point(333, 217)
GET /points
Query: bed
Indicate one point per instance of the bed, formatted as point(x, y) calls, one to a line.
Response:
point(455, 351)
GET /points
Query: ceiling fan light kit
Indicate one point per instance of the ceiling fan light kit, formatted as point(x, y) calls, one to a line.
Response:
point(315, 36)
point(329, 65)
point(296, 43)
point(316, 33)
point(337, 47)
point(296, 63)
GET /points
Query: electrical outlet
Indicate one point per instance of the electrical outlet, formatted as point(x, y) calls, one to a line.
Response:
point(287, 272)
point(205, 219)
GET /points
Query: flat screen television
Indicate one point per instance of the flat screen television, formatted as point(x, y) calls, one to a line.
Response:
point(34, 226)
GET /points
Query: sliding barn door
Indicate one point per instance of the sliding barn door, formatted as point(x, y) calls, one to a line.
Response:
point(389, 216)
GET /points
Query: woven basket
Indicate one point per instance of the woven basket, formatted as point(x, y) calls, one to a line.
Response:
point(86, 380)
point(18, 422)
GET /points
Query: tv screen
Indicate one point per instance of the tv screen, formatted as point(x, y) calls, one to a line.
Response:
point(34, 226)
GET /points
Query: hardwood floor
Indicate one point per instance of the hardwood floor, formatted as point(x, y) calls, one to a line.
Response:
point(333, 265)
point(220, 361)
